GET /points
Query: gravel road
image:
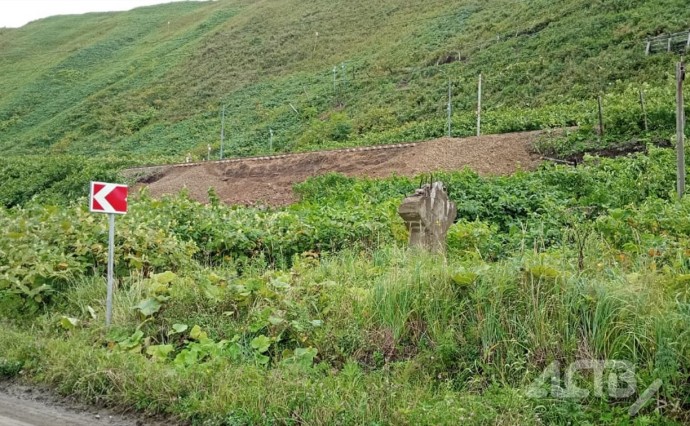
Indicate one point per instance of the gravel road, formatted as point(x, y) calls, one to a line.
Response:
point(26, 406)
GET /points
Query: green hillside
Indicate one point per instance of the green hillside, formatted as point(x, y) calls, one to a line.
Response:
point(151, 82)
point(559, 286)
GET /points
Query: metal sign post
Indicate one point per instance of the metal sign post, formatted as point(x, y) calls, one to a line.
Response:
point(110, 198)
point(111, 261)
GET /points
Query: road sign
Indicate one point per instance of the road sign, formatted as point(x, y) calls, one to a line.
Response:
point(108, 198)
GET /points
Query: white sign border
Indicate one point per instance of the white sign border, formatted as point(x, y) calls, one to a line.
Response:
point(92, 196)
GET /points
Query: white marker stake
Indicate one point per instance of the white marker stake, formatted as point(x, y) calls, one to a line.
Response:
point(479, 106)
point(111, 258)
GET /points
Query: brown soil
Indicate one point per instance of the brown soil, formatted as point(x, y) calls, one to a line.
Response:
point(269, 180)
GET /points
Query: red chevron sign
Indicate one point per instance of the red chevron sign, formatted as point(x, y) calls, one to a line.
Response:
point(108, 198)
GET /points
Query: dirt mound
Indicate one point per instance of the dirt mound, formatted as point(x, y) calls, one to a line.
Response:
point(269, 180)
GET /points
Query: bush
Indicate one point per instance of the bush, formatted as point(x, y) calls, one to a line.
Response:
point(472, 238)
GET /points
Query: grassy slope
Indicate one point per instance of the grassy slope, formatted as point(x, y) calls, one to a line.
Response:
point(151, 81)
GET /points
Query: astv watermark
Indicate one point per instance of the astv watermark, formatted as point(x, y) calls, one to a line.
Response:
point(621, 382)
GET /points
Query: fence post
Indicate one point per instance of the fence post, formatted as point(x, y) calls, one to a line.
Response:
point(342, 68)
point(222, 133)
point(335, 71)
point(450, 107)
point(479, 106)
point(680, 129)
point(601, 118)
point(644, 111)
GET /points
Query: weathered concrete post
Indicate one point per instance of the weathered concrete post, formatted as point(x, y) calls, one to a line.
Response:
point(428, 214)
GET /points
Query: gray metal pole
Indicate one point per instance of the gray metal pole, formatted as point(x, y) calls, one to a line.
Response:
point(449, 107)
point(479, 107)
point(111, 256)
point(222, 133)
point(680, 130)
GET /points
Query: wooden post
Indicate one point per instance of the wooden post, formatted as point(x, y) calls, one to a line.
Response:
point(479, 106)
point(687, 45)
point(668, 49)
point(680, 129)
point(601, 118)
point(649, 46)
point(644, 111)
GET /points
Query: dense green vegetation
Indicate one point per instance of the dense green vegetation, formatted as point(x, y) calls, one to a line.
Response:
point(152, 81)
point(315, 313)
point(56, 179)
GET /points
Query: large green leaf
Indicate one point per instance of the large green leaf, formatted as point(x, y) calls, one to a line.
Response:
point(261, 343)
point(148, 307)
point(159, 352)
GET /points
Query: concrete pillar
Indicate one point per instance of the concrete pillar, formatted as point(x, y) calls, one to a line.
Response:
point(428, 214)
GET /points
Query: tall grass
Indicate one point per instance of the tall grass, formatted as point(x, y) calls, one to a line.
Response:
point(407, 337)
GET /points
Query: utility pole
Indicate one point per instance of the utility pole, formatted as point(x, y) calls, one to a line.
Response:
point(450, 107)
point(680, 129)
point(270, 141)
point(479, 106)
point(222, 133)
